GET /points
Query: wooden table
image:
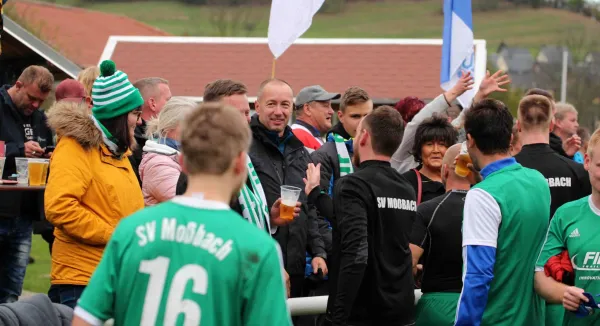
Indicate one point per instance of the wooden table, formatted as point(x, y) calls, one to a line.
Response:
point(21, 187)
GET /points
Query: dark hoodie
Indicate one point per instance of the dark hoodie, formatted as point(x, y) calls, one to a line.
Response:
point(12, 132)
point(136, 157)
point(557, 145)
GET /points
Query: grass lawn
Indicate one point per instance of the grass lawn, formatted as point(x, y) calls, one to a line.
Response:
point(37, 277)
point(521, 26)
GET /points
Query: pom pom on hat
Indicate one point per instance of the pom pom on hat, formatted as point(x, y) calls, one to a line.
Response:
point(113, 94)
point(107, 68)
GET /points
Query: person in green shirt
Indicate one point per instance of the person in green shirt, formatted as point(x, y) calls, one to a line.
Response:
point(575, 227)
point(192, 260)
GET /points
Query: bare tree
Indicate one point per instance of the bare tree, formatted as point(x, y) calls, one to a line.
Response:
point(235, 17)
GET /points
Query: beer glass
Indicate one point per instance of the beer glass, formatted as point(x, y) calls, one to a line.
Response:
point(463, 160)
point(289, 198)
point(38, 171)
point(22, 169)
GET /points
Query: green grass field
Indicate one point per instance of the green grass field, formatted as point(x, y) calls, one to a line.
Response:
point(521, 26)
point(37, 277)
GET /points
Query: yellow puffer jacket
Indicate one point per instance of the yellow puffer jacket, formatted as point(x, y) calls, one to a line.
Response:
point(87, 194)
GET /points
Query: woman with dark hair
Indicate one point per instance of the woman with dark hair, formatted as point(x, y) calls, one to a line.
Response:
point(92, 185)
point(414, 111)
point(432, 139)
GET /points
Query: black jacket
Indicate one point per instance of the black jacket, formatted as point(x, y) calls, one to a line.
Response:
point(371, 280)
point(557, 145)
point(276, 168)
point(567, 179)
point(328, 157)
point(136, 158)
point(12, 133)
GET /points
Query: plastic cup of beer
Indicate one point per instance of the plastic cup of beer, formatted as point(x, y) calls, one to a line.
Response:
point(289, 198)
point(463, 160)
point(38, 171)
point(22, 169)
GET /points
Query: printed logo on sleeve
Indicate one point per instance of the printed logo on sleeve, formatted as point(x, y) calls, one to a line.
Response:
point(574, 234)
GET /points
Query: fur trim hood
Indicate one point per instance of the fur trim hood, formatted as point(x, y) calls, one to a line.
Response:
point(73, 120)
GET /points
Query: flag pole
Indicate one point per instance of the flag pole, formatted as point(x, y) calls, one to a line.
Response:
point(273, 68)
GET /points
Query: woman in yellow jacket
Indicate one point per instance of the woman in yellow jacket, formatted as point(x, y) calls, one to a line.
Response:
point(92, 185)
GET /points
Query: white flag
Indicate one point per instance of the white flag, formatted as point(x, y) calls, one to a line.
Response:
point(289, 20)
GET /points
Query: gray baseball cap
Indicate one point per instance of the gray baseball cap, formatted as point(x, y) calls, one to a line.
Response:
point(314, 93)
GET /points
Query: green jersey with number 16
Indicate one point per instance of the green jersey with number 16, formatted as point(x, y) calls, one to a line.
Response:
point(575, 227)
point(187, 262)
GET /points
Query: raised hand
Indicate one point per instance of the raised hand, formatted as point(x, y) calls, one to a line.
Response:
point(464, 84)
point(493, 83)
point(313, 177)
point(572, 144)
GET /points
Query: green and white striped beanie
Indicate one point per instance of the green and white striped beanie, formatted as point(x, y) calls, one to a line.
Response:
point(113, 94)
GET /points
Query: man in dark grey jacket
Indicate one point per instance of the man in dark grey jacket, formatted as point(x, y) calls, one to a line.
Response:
point(25, 133)
point(281, 159)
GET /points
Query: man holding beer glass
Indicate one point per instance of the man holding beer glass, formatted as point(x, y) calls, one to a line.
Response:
point(280, 159)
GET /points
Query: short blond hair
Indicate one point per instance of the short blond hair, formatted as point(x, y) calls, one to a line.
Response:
point(212, 135)
point(87, 77)
point(562, 109)
point(535, 112)
point(594, 140)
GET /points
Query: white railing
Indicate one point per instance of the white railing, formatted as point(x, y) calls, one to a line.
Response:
point(318, 305)
point(306, 305)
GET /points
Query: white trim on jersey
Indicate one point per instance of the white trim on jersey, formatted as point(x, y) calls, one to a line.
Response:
point(593, 207)
point(482, 217)
point(88, 317)
point(198, 201)
point(299, 126)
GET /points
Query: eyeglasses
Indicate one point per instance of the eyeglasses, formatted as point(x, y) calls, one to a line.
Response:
point(138, 113)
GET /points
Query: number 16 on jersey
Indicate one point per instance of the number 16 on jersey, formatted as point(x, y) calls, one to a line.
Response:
point(157, 269)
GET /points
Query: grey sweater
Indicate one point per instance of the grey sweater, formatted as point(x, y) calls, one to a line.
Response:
point(36, 310)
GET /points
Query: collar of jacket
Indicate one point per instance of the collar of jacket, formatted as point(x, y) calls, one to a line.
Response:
point(539, 148)
point(155, 146)
point(271, 137)
point(311, 128)
point(376, 163)
point(79, 125)
point(339, 129)
point(11, 105)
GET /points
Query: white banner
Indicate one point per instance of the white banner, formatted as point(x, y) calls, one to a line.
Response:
point(288, 21)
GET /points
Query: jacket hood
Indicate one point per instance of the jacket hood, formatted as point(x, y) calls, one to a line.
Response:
point(76, 122)
point(152, 146)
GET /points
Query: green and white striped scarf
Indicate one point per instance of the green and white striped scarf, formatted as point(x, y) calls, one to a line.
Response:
point(253, 201)
point(343, 156)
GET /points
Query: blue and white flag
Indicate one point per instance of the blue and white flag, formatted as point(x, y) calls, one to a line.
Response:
point(458, 51)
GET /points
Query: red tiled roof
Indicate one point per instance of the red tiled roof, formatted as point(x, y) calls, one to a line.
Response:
point(79, 34)
point(384, 70)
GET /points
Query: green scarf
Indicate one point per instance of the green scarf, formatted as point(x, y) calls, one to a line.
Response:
point(253, 201)
point(343, 156)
